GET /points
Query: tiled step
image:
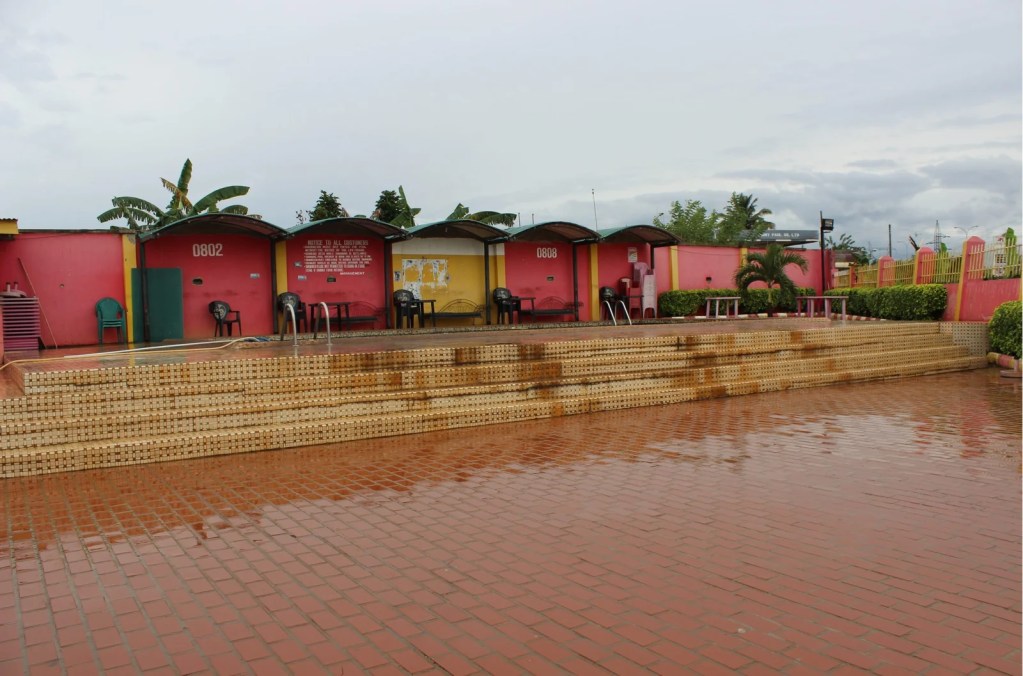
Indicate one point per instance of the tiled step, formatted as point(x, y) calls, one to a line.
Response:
point(73, 456)
point(491, 386)
point(106, 399)
point(158, 375)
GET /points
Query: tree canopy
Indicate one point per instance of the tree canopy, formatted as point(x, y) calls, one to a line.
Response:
point(327, 206)
point(394, 208)
point(740, 223)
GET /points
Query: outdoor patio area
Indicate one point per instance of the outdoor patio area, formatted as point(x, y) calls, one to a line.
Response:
point(861, 527)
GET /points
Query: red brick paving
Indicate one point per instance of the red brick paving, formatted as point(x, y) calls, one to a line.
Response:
point(864, 527)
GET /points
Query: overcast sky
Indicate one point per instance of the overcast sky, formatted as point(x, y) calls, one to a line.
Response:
point(875, 112)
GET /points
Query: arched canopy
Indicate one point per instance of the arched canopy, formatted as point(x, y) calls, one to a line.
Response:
point(357, 226)
point(220, 224)
point(640, 234)
point(460, 229)
point(553, 231)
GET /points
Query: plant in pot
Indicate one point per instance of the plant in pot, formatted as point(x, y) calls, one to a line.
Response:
point(769, 267)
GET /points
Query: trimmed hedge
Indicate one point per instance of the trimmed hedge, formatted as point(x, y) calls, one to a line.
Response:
point(686, 303)
point(921, 301)
point(1005, 330)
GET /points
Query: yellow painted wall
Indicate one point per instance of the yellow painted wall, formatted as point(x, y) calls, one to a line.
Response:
point(594, 286)
point(445, 270)
point(281, 266)
point(128, 263)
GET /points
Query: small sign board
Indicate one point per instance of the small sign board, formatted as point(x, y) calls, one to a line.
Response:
point(789, 236)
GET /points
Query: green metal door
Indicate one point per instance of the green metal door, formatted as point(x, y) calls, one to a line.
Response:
point(165, 304)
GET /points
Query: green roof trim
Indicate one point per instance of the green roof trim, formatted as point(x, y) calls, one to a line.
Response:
point(554, 231)
point(640, 234)
point(351, 225)
point(218, 223)
point(460, 229)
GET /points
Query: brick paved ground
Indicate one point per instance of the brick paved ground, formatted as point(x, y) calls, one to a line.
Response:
point(750, 534)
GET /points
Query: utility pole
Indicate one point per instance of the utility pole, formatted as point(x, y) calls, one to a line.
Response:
point(593, 193)
point(889, 240)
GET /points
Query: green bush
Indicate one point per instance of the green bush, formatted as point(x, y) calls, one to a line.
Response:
point(924, 301)
point(1005, 330)
point(756, 301)
point(857, 303)
point(686, 303)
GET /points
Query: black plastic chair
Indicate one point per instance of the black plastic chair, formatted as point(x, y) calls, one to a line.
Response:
point(406, 308)
point(610, 301)
point(225, 316)
point(506, 303)
point(283, 301)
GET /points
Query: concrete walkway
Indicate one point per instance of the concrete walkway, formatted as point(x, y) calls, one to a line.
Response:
point(871, 527)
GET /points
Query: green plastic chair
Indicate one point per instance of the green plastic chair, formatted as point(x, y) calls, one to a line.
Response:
point(110, 315)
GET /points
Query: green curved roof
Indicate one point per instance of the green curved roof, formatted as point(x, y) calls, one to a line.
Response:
point(460, 229)
point(640, 234)
point(553, 231)
point(351, 225)
point(218, 223)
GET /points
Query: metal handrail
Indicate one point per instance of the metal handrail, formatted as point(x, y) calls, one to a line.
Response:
point(326, 313)
point(288, 307)
point(612, 312)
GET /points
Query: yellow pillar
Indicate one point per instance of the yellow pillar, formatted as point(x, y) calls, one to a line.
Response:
point(281, 265)
point(916, 266)
point(673, 266)
point(128, 263)
point(594, 285)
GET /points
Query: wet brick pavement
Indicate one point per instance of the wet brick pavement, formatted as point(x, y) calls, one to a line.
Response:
point(859, 528)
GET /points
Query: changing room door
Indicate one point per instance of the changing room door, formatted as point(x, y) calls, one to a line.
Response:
point(165, 302)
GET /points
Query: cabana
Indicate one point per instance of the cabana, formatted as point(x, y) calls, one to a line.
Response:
point(344, 262)
point(186, 265)
point(542, 261)
point(626, 256)
point(440, 263)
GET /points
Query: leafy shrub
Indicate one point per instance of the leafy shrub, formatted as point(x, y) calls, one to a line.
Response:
point(686, 303)
point(755, 301)
point(1005, 330)
point(857, 303)
point(925, 301)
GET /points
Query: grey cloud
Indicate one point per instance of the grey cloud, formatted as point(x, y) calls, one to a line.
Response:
point(993, 174)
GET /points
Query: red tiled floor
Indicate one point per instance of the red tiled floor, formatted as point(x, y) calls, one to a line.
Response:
point(862, 527)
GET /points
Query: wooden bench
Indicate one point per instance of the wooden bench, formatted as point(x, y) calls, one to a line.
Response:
point(360, 313)
point(551, 306)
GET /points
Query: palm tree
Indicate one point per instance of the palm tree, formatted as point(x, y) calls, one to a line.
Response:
point(769, 268)
point(143, 215)
point(743, 208)
point(488, 217)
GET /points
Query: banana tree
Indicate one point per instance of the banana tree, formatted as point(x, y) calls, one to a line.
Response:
point(488, 217)
point(143, 215)
point(406, 217)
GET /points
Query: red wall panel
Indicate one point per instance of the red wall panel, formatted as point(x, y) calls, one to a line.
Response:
point(232, 268)
point(70, 271)
point(544, 269)
point(356, 264)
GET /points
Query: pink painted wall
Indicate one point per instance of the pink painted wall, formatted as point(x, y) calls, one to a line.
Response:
point(70, 271)
point(355, 281)
point(980, 298)
point(226, 272)
point(527, 266)
point(697, 263)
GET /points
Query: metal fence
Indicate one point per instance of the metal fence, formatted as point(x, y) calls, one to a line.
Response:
point(995, 261)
